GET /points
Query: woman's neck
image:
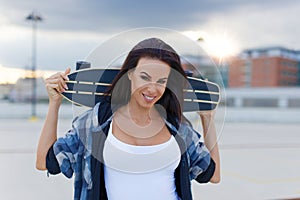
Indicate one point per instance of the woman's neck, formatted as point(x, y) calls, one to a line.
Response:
point(141, 116)
point(139, 122)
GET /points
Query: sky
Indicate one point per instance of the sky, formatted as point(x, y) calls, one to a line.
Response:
point(72, 29)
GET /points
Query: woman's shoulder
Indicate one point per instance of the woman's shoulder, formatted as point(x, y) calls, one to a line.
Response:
point(187, 131)
point(103, 110)
point(87, 118)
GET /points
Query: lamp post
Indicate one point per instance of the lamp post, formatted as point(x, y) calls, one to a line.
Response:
point(34, 18)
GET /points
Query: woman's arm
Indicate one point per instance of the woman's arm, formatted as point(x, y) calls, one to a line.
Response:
point(210, 140)
point(54, 85)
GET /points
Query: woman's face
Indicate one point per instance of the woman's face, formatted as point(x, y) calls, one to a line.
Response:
point(148, 81)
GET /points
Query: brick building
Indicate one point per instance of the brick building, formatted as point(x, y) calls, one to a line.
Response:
point(265, 67)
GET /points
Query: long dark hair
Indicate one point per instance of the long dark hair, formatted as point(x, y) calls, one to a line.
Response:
point(172, 98)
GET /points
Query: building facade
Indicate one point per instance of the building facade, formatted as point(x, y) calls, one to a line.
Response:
point(22, 90)
point(267, 67)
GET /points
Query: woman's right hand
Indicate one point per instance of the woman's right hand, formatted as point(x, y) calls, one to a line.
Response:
point(56, 84)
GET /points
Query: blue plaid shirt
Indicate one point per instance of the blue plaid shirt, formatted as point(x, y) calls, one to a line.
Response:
point(74, 151)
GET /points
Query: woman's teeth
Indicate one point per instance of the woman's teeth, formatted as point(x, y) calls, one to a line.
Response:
point(148, 98)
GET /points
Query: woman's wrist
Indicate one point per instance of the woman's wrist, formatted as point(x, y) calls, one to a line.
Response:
point(207, 121)
point(54, 104)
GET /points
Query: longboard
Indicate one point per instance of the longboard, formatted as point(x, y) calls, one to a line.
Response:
point(86, 87)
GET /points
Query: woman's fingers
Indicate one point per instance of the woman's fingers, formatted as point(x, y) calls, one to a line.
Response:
point(56, 84)
point(207, 113)
point(68, 70)
point(57, 81)
point(65, 77)
point(60, 78)
point(51, 87)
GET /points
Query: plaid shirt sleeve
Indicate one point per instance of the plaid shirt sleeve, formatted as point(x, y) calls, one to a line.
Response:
point(73, 151)
point(69, 149)
point(198, 154)
point(65, 150)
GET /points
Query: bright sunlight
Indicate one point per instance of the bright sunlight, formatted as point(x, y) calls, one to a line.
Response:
point(11, 75)
point(219, 45)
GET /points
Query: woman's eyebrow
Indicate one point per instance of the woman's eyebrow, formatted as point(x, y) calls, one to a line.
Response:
point(145, 73)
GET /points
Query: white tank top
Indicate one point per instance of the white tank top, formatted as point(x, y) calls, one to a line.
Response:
point(140, 172)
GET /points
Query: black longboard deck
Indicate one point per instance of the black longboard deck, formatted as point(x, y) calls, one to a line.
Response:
point(86, 87)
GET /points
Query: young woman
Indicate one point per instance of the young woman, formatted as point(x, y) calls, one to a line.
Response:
point(136, 143)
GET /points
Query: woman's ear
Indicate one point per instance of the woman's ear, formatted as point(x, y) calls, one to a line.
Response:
point(129, 74)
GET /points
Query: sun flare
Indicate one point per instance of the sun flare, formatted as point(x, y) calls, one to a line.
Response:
point(219, 45)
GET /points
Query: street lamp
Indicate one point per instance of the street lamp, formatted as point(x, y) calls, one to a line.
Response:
point(35, 18)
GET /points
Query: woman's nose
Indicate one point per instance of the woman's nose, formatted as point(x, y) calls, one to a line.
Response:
point(152, 87)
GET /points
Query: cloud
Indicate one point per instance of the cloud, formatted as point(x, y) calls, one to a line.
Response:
point(116, 15)
point(72, 28)
point(256, 25)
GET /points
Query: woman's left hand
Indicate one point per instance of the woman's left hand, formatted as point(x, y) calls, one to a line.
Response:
point(207, 120)
point(207, 114)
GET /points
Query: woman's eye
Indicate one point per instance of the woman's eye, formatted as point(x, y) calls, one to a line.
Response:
point(145, 78)
point(161, 82)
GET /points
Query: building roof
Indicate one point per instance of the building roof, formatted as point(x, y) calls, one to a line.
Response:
point(272, 51)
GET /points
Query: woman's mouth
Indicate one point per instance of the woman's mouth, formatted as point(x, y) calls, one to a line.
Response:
point(148, 99)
